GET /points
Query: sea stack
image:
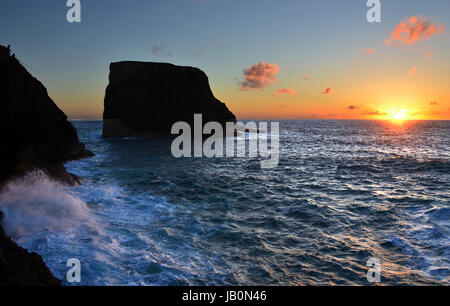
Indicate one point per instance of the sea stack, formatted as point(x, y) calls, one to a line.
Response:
point(145, 99)
point(35, 134)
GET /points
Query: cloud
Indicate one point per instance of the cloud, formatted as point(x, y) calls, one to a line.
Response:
point(285, 91)
point(327, 91)
point(412, 71)
point(306, 77)
point(433, 103)
point(352, 107)
point(201, 2)
point(161, 50)
point(376, 113)
point(369, 51)
point(414, 29)
point(427, 54)
point(259, 76)
point(199, 52)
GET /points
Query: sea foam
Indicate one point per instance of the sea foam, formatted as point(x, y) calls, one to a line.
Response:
point(35, 203)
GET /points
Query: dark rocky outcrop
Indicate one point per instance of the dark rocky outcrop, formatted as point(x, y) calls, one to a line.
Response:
point(35, 134)
point(18, 267)
point(145, 99)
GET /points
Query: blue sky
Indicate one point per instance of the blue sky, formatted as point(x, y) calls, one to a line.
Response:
point(222, 37)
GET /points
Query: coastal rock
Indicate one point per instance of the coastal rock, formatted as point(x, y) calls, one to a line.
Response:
point(145, 99)
point(18, 267)
point(35, 134)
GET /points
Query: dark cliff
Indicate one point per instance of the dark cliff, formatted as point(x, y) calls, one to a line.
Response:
point(145, 99)
point(35, 134)
point(18, 267)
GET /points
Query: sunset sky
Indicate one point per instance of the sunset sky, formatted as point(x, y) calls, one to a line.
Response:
point(287, 59)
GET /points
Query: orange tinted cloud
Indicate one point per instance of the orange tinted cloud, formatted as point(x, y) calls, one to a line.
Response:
point(412, 71)
point(376, 113)
point(259, 76)
point(414, 29)
point(327, 91)
point(369, 51)
point(285, 91)
point(433, 103)
point(306, 77)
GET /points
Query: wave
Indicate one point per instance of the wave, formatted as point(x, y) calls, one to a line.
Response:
point(35, 203)
point(52, 220)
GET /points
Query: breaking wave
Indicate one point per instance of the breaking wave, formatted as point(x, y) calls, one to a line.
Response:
point(35, 203)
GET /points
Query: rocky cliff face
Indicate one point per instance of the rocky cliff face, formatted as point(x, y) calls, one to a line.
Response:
point(145, 99)
point(34, 133)
point(18, 267)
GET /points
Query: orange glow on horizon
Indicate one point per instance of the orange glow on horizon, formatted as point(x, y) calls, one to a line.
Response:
point(395, 114)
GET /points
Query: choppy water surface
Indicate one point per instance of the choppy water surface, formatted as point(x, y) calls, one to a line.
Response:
point(344, 191)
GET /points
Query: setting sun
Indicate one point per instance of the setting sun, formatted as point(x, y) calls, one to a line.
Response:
point(401, 114)
point(395, 114)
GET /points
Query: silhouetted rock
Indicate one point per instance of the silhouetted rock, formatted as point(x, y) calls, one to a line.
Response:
point(34, 132)
point(18, 267)
point(145, 99)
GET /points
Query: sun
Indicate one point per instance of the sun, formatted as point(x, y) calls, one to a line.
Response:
point(400, 114)
point(395, 114)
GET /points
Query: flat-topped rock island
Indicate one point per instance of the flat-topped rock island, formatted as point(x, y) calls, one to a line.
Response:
point(145, 99)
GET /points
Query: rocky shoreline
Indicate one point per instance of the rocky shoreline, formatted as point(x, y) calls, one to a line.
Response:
point(18, 267)
point(35, 134)
point(141, 100)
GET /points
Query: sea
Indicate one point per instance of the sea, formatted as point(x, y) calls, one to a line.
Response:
point(345, 194)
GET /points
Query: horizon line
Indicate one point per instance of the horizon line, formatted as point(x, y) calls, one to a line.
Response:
point(290, 119)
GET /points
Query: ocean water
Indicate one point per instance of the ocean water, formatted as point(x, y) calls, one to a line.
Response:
point(343, 192)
